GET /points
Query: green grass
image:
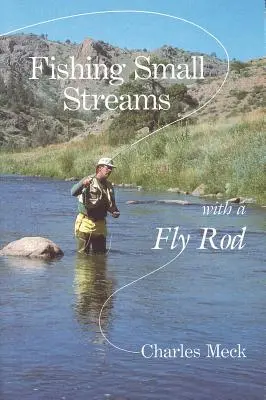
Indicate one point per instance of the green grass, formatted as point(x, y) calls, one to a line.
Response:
point(227, 155)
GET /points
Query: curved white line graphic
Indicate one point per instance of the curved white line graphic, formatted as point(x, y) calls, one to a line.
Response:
point(148, 135)
point(118, 290)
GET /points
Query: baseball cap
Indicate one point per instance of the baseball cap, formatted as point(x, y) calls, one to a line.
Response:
point(106, 161)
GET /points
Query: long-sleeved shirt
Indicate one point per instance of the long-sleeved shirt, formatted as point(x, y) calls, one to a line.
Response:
point(96, 199)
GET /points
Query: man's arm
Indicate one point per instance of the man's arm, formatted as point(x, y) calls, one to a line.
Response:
point(76, 189)
point(113, 210)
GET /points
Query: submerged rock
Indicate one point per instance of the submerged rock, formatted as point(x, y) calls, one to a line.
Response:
point(132, 186)
point(33, 247)
point(248, 200)
point(141, 202)
point(180, 202)
point(242, 200)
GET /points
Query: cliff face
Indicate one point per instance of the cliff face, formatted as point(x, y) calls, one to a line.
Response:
point(31, 110)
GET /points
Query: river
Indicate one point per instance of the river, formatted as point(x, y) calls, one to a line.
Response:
point(51, 343)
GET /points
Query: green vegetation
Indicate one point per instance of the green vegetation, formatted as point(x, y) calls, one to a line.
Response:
point(228, 158)
point(239, 94)
point(257, 97)
point(238, 66)
point(147, 110)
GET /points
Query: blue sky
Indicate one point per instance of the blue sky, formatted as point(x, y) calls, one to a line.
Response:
point(238, 24)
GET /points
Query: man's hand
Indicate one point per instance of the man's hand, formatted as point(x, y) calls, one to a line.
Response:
point(87, 182)
point(115, 214)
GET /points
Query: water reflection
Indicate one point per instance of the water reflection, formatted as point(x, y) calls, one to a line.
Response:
point(93, 287)
point(25, 263)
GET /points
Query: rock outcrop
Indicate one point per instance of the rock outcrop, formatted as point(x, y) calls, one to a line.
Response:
point(200, 190)
point(242, 200)
point(174, 190)
point(33, 247)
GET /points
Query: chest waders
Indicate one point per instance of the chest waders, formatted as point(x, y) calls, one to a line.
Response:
point(90, 228)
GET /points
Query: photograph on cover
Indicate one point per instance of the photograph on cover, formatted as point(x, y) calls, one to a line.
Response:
point(132, 170)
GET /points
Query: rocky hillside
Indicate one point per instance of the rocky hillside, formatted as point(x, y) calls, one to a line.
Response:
point(31, 111)
point(244, 91)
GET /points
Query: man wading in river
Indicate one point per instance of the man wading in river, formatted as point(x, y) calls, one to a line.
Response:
point(96, 196)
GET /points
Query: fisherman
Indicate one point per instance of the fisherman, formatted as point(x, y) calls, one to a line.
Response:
point(96, 196)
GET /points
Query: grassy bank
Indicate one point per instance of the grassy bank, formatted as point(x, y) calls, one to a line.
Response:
point(229, 157)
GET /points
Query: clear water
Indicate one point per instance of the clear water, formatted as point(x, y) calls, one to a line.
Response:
point(51, 344)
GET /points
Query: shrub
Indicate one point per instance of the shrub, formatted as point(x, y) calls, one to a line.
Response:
point(237, 66)
point(258, 89)
point(66, 161)
point(239, 94)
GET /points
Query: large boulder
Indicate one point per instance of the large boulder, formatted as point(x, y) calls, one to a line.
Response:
point(33, 247)
point(200, 190)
